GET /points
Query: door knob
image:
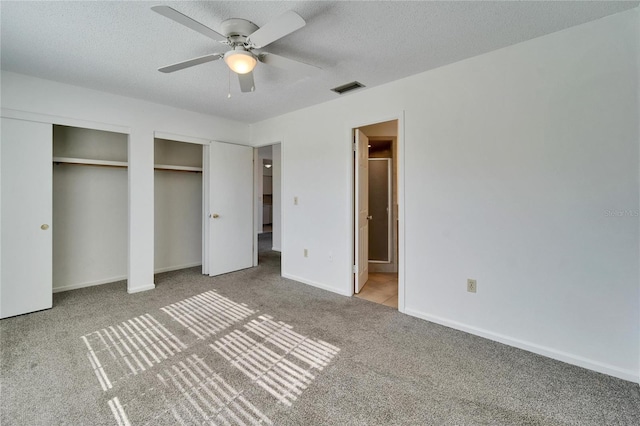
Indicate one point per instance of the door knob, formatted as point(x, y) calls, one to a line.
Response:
point(215, 215)
point(369, 217)
point(44, 226)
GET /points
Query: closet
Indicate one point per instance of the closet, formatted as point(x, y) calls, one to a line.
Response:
point(65, 208)
point(178, 205)
point(90, 207)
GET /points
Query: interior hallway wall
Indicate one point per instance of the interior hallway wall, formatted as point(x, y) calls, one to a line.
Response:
point(264, 153)
point(277, 197)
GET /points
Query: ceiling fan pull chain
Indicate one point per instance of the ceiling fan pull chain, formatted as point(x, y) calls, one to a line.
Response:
point(229, 94)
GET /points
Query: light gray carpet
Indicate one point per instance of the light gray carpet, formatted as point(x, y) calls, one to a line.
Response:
point(291, 355)
point(265, 242)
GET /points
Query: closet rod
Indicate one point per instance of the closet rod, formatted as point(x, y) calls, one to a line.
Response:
point(58, 163)
point(172, 168)
point(177, 170)
point(117, 166)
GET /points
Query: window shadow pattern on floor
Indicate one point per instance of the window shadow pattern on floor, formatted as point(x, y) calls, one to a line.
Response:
point(151, 377)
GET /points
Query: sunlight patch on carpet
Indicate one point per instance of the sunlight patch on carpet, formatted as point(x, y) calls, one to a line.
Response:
point(118, 412)
point(269, 360)
point(275, 357)
point(186, 393)
point(128, 348)
point(207, 313)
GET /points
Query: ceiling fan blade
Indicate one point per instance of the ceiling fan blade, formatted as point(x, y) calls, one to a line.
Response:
point(276, 29)
point(191, 62)
point(180, 18)
point(288, 64)
point(246, 82)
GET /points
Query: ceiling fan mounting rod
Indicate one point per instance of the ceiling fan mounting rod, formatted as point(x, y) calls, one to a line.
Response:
point(237, 41)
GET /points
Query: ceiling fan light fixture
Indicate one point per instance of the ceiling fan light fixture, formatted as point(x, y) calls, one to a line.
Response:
point(240, 61)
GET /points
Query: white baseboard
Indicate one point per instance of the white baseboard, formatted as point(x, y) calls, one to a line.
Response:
point(100, 282)
point(316, 284)
point(141, 288)
point(176, 268)
point(278, 249)
point(589, 364)
point(121, 278)
point(88, 284)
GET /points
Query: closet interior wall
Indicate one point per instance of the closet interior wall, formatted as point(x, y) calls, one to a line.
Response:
point(178, 205)
point(90, 207)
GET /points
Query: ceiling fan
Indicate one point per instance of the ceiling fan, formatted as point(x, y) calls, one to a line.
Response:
point(244, 38)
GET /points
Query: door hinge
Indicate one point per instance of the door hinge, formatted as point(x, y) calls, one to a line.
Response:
point(354, 147)
point(354, 269)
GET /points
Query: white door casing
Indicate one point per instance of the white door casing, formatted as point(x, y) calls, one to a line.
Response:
point(26, 182)
point(362, 209)
point(206, 220)
point(231, 208)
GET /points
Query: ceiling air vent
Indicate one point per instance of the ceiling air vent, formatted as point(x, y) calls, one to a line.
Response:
point(347, 87)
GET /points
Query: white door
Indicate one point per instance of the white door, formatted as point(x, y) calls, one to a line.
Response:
point(26, 213)
point(362, 209)
point(231, 208)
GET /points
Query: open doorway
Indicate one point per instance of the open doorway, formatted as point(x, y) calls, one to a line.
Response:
point(376, 212)
point(267, 243)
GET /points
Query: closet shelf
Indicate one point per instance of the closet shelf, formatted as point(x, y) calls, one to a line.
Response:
point(106, 163)
point(178, 168)
point(90, 162)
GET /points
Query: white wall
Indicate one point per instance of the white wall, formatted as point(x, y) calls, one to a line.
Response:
point(89, 226)
point(512, 161)
point(178, 220)
point(178, 206)
point(89, 209)
point(48, 101)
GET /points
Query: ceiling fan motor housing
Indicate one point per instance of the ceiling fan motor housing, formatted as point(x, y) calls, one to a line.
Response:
point(237, 30)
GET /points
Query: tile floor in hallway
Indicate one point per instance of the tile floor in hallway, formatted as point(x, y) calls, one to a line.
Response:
point(381, 288)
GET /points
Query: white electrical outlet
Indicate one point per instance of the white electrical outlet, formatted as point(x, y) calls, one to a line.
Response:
point(472, 285)
point(306, 253)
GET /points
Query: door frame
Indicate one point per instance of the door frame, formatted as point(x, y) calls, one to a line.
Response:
point(257, 213)
point(351, 126)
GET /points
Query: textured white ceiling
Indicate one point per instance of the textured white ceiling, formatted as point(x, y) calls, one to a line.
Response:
point(118, 46)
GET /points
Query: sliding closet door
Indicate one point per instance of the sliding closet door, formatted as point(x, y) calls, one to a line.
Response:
point(26, 215)
point(231, 208)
